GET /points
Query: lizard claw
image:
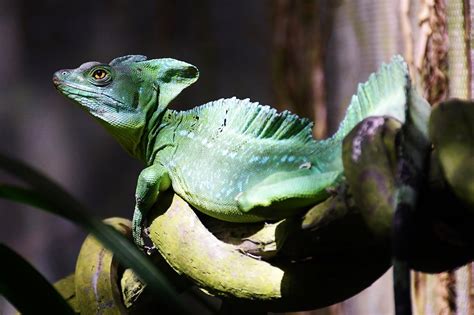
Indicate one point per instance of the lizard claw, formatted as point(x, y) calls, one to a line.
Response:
point(147, 231)
point(150, 250)
point(250, 255)
point(332, 190)
point(335, 190)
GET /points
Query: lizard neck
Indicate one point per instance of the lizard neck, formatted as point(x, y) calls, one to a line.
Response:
point(160, 131)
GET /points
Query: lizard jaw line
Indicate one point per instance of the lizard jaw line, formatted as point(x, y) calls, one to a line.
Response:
point(117, 105)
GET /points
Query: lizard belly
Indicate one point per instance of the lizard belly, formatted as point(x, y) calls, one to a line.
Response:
point(212, 199)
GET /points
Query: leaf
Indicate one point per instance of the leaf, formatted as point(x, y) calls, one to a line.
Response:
point(47, 195)
point(26, 288)
point(66, 287)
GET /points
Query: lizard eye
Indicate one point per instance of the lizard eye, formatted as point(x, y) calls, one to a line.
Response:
point(100, 76)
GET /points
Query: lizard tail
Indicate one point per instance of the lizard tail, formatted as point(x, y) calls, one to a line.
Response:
point(384, 94)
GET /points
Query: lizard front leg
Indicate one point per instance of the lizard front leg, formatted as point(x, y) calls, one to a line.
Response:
point(151, 181)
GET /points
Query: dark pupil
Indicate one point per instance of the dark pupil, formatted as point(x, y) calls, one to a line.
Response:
point(99, 74)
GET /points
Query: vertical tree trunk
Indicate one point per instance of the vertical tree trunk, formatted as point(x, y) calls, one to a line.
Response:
point(441, 61)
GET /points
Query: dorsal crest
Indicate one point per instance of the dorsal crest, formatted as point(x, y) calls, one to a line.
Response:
point(255, 120)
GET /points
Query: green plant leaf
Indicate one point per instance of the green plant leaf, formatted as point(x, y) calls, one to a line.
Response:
point(26, 288)
point(47, 195)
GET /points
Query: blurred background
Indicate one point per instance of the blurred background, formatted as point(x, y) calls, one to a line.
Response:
point(307, 56)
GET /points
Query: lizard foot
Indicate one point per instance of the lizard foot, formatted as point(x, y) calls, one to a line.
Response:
point(248, 200)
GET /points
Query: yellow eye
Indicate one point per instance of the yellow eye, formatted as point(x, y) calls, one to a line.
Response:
point(99, 74)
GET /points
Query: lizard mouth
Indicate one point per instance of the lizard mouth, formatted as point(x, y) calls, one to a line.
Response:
point(92, 99)
point(56, 81)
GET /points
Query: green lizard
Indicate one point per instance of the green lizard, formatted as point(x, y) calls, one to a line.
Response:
point(232, 159)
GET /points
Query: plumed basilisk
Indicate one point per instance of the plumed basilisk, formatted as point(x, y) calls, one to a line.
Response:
point(232, 159)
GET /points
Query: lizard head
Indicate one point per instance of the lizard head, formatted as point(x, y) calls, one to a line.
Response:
point(125, 94)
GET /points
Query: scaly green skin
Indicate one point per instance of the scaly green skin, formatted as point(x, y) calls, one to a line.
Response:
point(232, 159)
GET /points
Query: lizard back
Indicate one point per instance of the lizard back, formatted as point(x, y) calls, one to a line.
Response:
point(228, 146)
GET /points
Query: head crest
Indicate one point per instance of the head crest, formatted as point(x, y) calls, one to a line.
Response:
point(171, 76)
point(127, 59)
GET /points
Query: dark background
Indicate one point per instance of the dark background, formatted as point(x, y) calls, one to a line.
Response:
point(231, 42)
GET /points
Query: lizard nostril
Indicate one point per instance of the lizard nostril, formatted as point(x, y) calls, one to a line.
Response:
point(59, 76)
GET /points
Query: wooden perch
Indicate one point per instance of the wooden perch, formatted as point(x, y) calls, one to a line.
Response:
point(333, 250)
point(223, 269)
